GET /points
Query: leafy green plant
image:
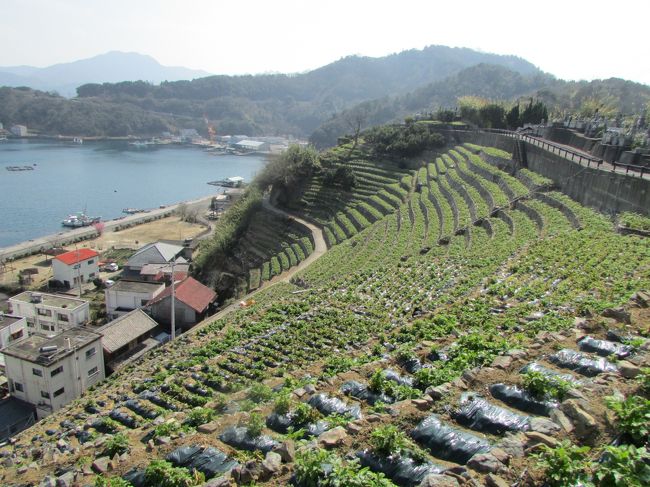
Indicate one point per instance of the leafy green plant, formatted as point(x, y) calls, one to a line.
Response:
point(545, 387)
point(643, 380)
point(101, 481)
point(388, 440)
point(255, 425)
point(260, 393)
point(108, 424)
point(565, 464)
point(305, 414)
point(116, 444)
point(199, 416)
point(282, 404)
point(166, 429)
point(623, 466)
point(163, 474)
point(633, 416)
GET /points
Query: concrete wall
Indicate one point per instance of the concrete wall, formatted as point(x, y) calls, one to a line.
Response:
point(599, 189)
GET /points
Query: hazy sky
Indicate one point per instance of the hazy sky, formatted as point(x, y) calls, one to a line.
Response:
point(570, 39)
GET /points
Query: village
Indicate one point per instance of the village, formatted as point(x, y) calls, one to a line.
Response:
point(84, 312)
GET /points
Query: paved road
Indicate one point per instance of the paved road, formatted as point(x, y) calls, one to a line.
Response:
point(65, 237)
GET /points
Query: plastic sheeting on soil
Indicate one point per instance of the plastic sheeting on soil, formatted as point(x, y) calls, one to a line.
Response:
point(363, 393)
point(550, 373)
point(604, 348)
point(157, 400)
point(210, 461)
point(332, 405)
point(411, 365)
point(570, 359)
point(402, 380)
point(478, 414)
point(238, 437)
point(139, 409)
point(446, 442)
point(403, 471)
point(135, 477)
point(282, 422)
point(521, 399)
point(123, 418)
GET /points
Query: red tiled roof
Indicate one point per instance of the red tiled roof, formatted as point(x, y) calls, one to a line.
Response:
point(75, 256)
point(190, 292)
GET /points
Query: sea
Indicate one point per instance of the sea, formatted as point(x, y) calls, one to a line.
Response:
point(101, 178)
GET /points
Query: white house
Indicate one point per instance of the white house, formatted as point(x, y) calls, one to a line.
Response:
point(153, 253)
point(12, 328)
point(49, 313)
point(49, 372)
point(248, 145)
point(18, 130)
point(125, 296)
point(72, 266)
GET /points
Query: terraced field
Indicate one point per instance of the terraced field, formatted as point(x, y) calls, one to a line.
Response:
point(477, 321)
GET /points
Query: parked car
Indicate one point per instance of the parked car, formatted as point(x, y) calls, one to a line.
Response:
point(111, 267)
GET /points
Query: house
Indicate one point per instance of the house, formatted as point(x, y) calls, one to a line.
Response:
point(192, 303)
point(154, 253)
point(125, 296)
point(12, 328)
point(163, 272)
point(49, 313)
point(18, 130)
point(70, 267)
point(128, 336)
point(51, 371)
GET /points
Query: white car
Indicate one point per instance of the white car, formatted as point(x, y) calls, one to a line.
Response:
point(111, 267)
point(109, 282)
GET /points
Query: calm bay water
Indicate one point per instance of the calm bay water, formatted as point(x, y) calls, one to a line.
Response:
point(102, 177)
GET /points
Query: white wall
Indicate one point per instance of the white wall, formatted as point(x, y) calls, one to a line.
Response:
point(88, 270)
point(52, 319)
point(127, 300)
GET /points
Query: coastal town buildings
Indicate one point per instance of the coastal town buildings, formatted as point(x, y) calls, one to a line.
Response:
point(50, 371)
point(18, 130)
point(12, 328)
point(154, 253)
point(192, 302)
point(71, 268)
point(49, 313)
point(125, 296)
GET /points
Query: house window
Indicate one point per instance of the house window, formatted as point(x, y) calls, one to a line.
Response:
point(47, 327)
point(143, 302)
point(44, 312)
point(92, 371)
point(62, 317)
point(45, 394)
point(90, 353)
point(16, 335)
point(30, 322)
point(37, 372)
point(18, 386)
point(56, 371)
point(91, 275)
point(59, 392)
point(91, 261)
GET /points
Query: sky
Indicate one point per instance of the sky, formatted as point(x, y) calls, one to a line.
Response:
point(571, 39)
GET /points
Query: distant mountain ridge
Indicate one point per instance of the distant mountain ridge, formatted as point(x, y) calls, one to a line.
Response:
point(114, 66)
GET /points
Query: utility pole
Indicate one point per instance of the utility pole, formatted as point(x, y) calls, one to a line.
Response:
point(78, 267)
point(173, 302)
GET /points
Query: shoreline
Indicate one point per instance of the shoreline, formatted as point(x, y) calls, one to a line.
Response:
point(37, 245)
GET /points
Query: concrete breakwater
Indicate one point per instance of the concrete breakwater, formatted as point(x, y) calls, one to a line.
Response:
point(69, 237)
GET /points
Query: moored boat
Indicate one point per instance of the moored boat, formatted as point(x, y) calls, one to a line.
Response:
point(80, 220)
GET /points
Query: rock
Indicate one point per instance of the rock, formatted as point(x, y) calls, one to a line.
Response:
point(300, 392)
point(286, 450)
point(585, 424)
point(22, 470)
point(561, 419)
point(101, 465)
point(208, 428)
point(642, 298)
point(513, 444)
point(65, 480)
point(251, 471)
point(309, 388)
point(47, 482)
point(162, 440)
point(502, 362)
point(501, 455)
point(459, 384)
point(493, 480)
point(271, 465)
point(437, 480)
point(8, 462)
point(619, 314)
point(535, 438)
point(544, 426)
point(575, 394)
point(150, 446)
point(373, 418)
point(437, 392)
point(62, 444)
point(222, 481)
point(333, 437)
point(421, 404)
point(353, 428)
point(485, 463)
point(469, 376)
point(628, 369)
point(517, 354)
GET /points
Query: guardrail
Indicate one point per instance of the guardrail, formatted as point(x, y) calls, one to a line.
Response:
point(631, 167)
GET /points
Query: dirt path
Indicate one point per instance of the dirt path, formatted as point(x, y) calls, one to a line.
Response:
point(320, 247)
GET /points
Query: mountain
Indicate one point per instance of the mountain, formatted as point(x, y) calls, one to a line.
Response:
point(113, 66)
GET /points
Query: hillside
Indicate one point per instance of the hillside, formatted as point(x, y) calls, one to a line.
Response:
point(279, 104)
point(402, 348)
point(110, 67)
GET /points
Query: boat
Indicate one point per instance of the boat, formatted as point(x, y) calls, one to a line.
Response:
point(77, 140)
point(131, 211)
point(80, 220)
point(233, 182)
point(20, 168)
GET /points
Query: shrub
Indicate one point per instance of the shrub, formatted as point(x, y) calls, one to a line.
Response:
point(101, 481)
point(255, 425)
point(388, 440)
point(565, 464)
point(543, 386)
point(260, 393)
point(282, 404)
point(199, 416)
point(166, 429)
point(633, 415)
point(644, 380)
point(305, 414)
point(163, 474)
